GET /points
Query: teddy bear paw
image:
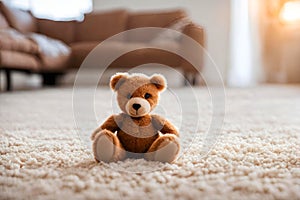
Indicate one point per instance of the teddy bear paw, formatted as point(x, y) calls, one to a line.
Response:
point(167, 152)
point(164, 149)
point(103, 148)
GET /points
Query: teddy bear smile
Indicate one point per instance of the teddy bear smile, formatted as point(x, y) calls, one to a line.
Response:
point(137, 107)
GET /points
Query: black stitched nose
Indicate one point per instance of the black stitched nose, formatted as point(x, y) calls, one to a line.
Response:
point(136, 106)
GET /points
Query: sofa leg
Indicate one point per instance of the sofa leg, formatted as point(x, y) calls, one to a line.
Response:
point(194, 79)
point(49, 79)
point(186, 82)
point(186, 79)
point(190, 79)
point(8, 79)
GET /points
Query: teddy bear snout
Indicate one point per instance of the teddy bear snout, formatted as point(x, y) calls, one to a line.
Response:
point(137, 107)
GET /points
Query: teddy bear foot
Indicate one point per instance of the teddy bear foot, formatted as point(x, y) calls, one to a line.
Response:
point(106, 147)
point(167, 153)
point(164, 149)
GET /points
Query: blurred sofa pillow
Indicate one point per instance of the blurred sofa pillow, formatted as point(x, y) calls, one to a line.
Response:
point(3, 21)
point(159, 19)
point(21, 20)
point(53, 53)
point(11, 39)
point(172, 32)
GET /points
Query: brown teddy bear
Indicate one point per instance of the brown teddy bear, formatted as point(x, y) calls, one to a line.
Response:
point(135, 132)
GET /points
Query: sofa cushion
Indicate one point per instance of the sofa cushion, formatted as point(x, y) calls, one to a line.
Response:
point(79, 51)
point(100, 26)
point(54, 54)
point(151, 19)
point(10, 39)
point(142, 56)
point(21, 20)
point(61, 30)
point(3, 22)
point(19, 60)
point(148, 55)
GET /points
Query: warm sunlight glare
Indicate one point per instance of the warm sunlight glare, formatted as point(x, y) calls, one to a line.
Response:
point(290, 11)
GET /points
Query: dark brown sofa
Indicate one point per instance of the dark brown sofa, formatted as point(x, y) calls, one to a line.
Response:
point(82, 37)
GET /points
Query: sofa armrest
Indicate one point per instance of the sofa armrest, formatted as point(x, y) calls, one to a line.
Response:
point(196, 33)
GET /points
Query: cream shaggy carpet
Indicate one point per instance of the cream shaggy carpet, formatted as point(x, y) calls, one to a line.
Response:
point(258, 156)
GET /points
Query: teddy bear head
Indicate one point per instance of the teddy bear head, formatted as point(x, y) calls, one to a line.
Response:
point(137, 94)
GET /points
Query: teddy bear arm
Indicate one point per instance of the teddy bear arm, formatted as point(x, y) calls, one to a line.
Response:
point(164, 126)
point(110, 124)
point(169, 128)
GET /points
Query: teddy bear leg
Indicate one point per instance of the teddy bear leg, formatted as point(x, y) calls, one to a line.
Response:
point(107, 147)
point(164, 149)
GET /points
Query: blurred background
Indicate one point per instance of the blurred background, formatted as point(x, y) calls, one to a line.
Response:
point(252, 42)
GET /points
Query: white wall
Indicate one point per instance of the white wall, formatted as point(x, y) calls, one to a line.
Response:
point(213, 15)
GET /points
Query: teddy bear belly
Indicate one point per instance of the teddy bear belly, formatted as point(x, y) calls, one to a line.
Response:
point(136, 144)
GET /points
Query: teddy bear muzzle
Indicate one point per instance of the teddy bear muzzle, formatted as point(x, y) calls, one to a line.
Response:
point(137, 107)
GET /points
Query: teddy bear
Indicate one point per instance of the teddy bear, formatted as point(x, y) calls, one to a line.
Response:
point(135, 133)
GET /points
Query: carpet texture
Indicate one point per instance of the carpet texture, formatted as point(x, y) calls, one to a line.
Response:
point(257, 156)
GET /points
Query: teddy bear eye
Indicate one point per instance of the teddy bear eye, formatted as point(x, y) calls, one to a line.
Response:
point(128, 96)
point(147, 96)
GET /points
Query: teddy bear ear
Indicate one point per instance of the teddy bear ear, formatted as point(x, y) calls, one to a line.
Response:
point(117, 80)
point(159, 81)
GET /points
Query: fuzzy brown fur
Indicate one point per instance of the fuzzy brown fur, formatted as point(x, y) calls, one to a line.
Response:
point(135, 130)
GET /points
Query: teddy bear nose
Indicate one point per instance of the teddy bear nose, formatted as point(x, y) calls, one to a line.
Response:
point(136, 106)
